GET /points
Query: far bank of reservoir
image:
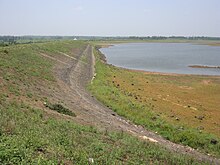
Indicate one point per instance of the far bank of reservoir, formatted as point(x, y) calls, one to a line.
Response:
point(165, 57)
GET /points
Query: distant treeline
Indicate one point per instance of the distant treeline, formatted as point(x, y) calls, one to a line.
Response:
point(8, 40)
point(174, 37)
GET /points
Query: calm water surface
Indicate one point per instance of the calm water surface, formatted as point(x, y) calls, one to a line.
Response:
point(165, 57)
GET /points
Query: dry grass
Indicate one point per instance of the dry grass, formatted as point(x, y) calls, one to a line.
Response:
point(194, 100)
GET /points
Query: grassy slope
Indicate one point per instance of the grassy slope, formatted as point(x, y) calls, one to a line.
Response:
point(131, 95)
point(31, 135)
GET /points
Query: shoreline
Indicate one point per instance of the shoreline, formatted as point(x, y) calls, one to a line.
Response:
point(204, 66)
point(162, 73)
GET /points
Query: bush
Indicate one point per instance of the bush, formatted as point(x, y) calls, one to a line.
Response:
point(61, 109)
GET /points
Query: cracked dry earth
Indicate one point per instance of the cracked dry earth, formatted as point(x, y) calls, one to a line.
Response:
point(73, 73)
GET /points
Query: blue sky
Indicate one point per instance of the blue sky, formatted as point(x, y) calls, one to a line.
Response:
point(110, 17)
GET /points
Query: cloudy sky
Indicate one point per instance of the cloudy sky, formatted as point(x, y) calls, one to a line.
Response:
point(110, 17)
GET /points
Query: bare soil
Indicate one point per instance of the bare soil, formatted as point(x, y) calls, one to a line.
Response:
point(73, 74)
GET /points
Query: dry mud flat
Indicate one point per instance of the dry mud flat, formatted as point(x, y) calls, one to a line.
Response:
point(73, 74)
point(204, 66)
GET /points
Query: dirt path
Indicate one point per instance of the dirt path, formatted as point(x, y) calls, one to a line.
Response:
point(72, 79)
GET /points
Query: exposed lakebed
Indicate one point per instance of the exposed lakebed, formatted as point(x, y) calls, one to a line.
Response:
point(165, 57)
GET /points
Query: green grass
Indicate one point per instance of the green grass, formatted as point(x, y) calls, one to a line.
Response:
point(55, 47)
point(121, 102)
point(23, 62)
point(22, 66)
point(84, 58)
point(31, 135)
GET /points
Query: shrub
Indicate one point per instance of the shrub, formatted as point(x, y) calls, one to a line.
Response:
point(60, 109)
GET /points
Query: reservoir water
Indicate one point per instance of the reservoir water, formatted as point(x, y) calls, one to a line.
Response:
point(165, 57)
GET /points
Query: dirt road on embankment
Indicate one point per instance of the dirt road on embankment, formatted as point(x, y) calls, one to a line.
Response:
point(73, 74)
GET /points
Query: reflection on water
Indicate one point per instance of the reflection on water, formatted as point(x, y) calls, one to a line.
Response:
point(165, 57)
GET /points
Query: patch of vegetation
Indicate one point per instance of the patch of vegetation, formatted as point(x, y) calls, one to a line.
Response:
point(84, 59)
point(60, 108)
point(126, 104)
point(31, 136)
